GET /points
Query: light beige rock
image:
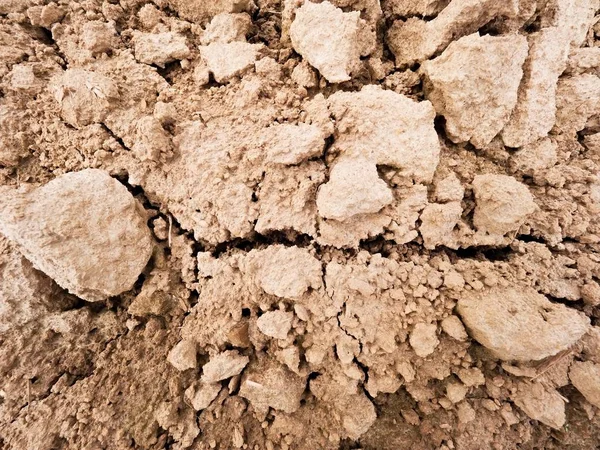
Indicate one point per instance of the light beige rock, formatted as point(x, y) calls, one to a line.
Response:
point(275, 324)
point(449, 189)
point(502, 203)
point(454, 328)
point(577, 99)
point(437, 222)
point(327, 38)
point(286, 272)
point(583, 60)
point(585, 376)
point(348, 402)
point(423, 339)
point(354, 188)
point(226, 28)
point(474, 85)
point(291, 144)
point(183, 355)
point(226, 61)
point(573, 17)
point(416, 40)
point(83, 229)
point(519, 323)
point(201, 396)
point(84, 97)
point(456, 392)
point(536, 156)
point(98, 36)
point(541, 403)
point(269, 384)
point(535, 112)
point(26, 294)
point(388, 128)
point(160, 48)
point(223, 365)
point(304, 75)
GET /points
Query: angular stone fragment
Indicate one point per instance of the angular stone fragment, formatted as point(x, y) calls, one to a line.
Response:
point(83, 229)
point(226, 61)
point(520, 324)
point(577, 99)
point(201, 396)
point(535, 112)
point(227, 28)
point(585, 376)
point(474, 85)
point(354, 188)
point(291, 144)
point(502, 203)
point(454, 328)
point(98, 36)
point(456, 392)
point(222, 366)
point(389, 128)
point(536, 156)
point(573, 17)
point(327, 38)
point(541, 403)
point(85, 97)
point(582, 60)
point(269, 384)
point(449, 189)
point(438, 221)
point(276, 324)
point(423, 339)
point(287, 272)
point(416, 40)
point(25, 293)
point(183, 355)
point(160, 48)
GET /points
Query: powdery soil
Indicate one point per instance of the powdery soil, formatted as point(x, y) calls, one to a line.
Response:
point(298, 225)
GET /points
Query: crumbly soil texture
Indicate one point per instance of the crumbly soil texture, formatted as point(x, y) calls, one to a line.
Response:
point(299, 224)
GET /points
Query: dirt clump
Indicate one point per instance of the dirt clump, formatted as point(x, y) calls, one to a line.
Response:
point(299, 224)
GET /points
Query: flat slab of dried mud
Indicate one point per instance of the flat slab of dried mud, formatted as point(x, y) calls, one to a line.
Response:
point(299, 225)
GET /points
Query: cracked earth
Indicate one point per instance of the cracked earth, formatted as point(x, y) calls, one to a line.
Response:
point(299, 225)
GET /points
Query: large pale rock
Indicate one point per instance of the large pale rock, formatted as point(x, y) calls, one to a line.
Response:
point(183, 355)
point(291, 144)
point(286, 272)
point(276, 324)
point(84, 97)
point(227, 28)
point(585, 376)
point(423, 339)
point(388, 128)
point(474, 85)
point(83, 229)
point(502, 203)
point(535, 112)
point(160, 48)
point(577, 99)
point(416, 40)
point(222, 366)
point(438, 222)
point(354, 188)
point(270, 384)
point(519, 323)
point(228, 60)
point(541, 403)
point(327, 38)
